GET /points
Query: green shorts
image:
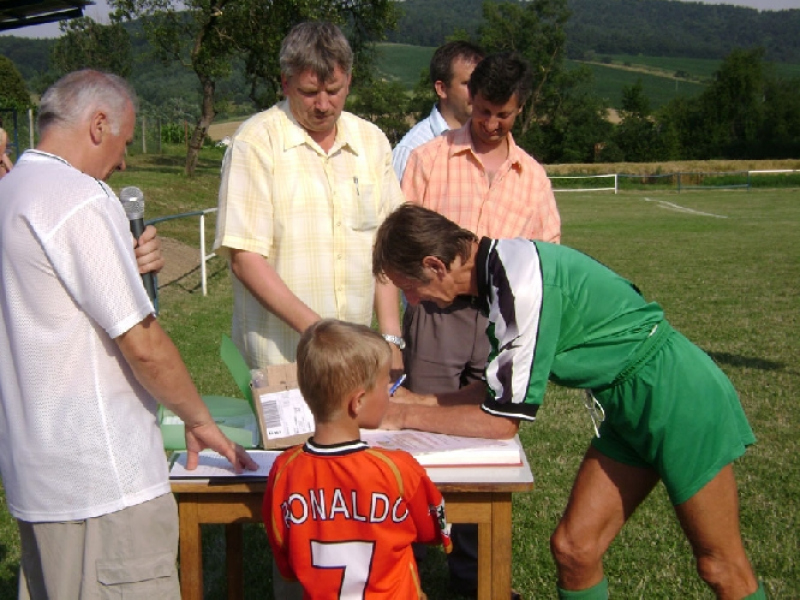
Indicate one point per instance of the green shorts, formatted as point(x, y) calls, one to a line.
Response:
point(677, 413)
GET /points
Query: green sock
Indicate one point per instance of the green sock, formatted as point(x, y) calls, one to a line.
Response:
point(759, 594)
point(596, 592)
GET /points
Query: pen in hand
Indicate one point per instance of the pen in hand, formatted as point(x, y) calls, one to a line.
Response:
point(397, 384)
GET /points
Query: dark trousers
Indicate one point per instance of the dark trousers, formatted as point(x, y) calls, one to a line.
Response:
point(447, 349)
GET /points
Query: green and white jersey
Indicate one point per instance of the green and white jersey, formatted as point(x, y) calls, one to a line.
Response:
point(554, 313)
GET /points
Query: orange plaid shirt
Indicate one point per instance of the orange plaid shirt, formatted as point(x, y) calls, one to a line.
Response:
point(445, 175)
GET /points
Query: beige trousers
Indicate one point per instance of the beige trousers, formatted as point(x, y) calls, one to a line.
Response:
point(127, 554)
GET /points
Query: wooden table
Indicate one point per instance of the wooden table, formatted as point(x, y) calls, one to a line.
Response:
point(479, 495)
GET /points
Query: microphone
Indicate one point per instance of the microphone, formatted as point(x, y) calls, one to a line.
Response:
point(132, 199)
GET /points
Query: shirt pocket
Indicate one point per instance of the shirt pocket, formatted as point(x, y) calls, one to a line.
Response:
point(153, 577)
point(362, 213)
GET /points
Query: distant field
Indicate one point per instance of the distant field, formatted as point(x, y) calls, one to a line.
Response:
point(608, 83)
point(403, 63)
point(696, 67)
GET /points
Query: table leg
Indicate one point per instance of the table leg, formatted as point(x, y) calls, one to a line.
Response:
point(485, 559)
point(234, 560)
point(191, 551)
point(501, 545)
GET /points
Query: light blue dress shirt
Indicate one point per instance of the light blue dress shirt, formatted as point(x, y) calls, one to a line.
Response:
point(424, 131)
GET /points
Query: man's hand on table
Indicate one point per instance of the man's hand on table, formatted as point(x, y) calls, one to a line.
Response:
point(395, 416)
point(405, 396)
point(208, 435)
point(400, 404)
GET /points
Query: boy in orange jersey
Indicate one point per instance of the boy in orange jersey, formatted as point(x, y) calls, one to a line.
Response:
point(341, 516)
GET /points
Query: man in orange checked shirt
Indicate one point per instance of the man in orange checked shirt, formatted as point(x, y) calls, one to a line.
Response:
point(479, 178)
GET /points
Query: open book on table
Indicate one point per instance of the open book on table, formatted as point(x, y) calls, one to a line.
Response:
point(440, 450)
point(430, 449)
point(210, 465)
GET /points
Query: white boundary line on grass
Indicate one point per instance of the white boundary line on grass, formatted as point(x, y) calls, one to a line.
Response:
point(678, 208)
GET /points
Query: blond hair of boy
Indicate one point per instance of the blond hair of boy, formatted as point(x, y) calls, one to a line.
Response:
point(343, 374)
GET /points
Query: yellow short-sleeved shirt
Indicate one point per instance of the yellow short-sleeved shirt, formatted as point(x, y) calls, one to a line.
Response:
point(312, 215)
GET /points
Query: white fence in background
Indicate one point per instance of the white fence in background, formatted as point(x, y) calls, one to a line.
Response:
point(592, 189)
point(204, 256)
point(601, 187)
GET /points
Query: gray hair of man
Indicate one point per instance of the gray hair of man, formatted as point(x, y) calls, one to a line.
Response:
point(315, 46)
point(80, 94)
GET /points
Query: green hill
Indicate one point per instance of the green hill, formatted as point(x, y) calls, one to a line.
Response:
point(673, 47)
point(651, 27)
point(404, 63)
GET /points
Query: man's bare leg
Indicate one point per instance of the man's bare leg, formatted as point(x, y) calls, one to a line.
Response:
point(710, 520)
point(604, 496)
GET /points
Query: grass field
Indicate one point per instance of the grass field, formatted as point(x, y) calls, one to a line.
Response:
point(403, 63)
point(724, 265)
point(702, 68)
point(608, 81)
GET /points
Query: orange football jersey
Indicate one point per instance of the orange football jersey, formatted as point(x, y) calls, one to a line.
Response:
point(341, 520)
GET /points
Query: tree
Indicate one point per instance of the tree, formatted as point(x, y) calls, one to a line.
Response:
point(423, 96)
point(574, 131)
point(207, 35)
point(384, 104)
point(636, 136)
point(634, 101)
point(88, 44)
point(781, 125)
point(730, 118)
point(562, 121)
point(171, 26)
point(13, 92)
point(261, 26)
point(534, 29)
point(734, 102)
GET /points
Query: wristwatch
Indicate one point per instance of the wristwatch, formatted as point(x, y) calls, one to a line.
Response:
point(394, 339)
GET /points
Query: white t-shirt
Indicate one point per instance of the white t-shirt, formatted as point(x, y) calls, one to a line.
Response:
point(78, 433)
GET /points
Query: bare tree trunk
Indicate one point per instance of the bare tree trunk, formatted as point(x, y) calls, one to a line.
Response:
point(201, 129)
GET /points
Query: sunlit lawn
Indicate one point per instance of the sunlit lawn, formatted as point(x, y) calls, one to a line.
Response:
point(728, 278)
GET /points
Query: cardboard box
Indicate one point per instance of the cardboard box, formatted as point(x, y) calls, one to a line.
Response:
point(284, 418)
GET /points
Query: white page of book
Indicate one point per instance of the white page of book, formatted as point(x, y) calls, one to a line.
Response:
point(212, 464)
point(433, 449)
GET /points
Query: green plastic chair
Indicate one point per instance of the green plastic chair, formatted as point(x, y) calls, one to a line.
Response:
point(236, 417)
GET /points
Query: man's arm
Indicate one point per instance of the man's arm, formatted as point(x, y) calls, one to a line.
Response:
point(148, 251)
point(387, 312)
point(157, 365)
point(261, 280)
point(454, 413)
point(415, 178)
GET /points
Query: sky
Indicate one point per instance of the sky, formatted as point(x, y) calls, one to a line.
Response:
point(100, 13)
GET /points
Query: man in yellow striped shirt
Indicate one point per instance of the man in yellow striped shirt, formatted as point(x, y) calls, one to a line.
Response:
point(304, 188)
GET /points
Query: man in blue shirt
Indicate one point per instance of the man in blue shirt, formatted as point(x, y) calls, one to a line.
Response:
point(450, 68)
